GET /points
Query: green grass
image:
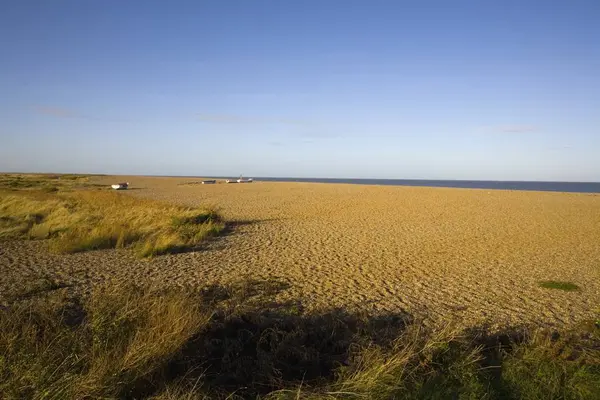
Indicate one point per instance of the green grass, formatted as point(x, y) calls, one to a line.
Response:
point(559, 285)
point(232, 342)
point(49, 351)
point(85, 220)
point(43, 182)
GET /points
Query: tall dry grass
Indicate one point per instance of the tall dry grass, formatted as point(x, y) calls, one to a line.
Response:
point(92, 220)
point(101, 348)
point(49, 183)
point(127, 342)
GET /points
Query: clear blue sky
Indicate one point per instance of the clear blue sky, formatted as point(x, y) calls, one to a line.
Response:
point(501, 90)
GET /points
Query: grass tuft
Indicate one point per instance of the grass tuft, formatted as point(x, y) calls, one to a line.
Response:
point(101, 348)
point(559, 285)
point(195, 218)
point(85, 220)
point(43, 183)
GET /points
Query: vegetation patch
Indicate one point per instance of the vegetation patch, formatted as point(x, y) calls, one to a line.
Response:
point(228, 342)
point(85, 220)
point(559, 285)
point(44, 183)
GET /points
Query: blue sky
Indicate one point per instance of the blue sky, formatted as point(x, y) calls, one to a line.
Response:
point(500, 90)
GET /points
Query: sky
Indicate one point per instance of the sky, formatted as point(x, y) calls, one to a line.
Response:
point(486, 90)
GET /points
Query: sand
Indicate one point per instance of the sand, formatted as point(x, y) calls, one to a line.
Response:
point(475, 256)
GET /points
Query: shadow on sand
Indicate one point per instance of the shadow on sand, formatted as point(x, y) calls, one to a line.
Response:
point(254, 346)
point(251, 347)
point(217, 243)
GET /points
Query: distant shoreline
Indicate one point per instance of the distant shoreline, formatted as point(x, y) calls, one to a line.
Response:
point(544, 186)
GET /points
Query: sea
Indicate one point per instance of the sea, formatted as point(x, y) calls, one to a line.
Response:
point(571, 187)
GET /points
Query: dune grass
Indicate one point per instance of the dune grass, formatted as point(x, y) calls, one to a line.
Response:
point(58, 348)
point(559, 285)
point(132, 342)
point(44, 182)
point(86, 220)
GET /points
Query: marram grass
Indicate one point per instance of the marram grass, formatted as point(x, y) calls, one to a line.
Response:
point(157, 343)
point(92, 220)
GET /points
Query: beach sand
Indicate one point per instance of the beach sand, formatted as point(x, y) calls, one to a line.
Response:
point(475, 256)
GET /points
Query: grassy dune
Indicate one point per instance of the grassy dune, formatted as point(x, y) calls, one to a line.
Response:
point(226, 342)
point(82, 220)
point(49, 183)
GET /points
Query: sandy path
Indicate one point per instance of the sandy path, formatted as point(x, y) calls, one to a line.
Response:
point(474, 255)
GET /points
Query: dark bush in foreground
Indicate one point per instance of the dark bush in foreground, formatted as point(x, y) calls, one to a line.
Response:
point(227, 342)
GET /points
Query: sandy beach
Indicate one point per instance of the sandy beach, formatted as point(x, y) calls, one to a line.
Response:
point(470, 255)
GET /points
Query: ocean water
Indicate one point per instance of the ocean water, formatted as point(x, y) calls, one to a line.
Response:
point(571, 187)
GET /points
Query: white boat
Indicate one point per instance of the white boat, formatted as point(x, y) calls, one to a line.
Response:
point(242, 180)
point(120, 186)
point(209, 181)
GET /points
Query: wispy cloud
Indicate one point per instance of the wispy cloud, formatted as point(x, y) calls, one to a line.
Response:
point(59, 112)
point(518, 129)
point(64, 112)
point(226, 119)
point(507, 129)
point(305, 130)
point(249, 119)
point(561, 148)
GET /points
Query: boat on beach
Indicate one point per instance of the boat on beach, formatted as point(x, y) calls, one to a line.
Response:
point(240, 180)
point(120, 186)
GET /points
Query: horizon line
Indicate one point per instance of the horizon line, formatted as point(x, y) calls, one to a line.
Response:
point(256, 177)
